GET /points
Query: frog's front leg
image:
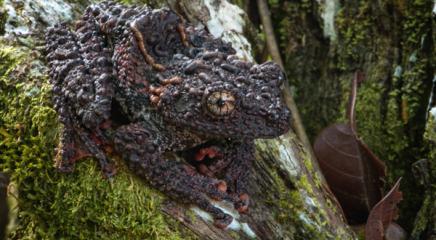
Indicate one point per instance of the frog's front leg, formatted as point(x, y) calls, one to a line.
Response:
point(233, 160)
point(143, 149)
point(236, 174)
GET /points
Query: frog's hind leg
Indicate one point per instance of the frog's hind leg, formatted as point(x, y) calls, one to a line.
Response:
point(76, 144)
point(81, 72)
point(232, 160)
point(64, 59)
point(82, 89)
point(68, 151)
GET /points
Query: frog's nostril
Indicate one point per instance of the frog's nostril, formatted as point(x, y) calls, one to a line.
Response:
point(266, 96)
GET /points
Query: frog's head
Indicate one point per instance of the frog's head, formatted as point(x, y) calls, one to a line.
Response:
point(221, 96)
point(200, 85)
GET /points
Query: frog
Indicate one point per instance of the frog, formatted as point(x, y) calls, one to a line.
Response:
point(148, 86)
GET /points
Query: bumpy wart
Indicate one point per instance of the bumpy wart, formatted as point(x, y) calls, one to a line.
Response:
point(141, 82)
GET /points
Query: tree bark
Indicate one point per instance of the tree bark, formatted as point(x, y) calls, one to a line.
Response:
point(392, 43)
point(290, 199)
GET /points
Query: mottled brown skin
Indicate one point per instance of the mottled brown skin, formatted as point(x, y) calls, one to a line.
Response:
point(143, 83)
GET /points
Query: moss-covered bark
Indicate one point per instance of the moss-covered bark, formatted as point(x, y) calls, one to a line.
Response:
point(80, 205)
point(392, 43)
point(286, 191)
point(51, 205)
point(425, 222)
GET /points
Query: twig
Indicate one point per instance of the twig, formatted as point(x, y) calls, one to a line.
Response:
point(351, 116)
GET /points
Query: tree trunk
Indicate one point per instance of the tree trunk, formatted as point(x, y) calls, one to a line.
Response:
point(290, 199)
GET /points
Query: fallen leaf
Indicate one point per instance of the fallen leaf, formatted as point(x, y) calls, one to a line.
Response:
point(352, 170)
point(383, 213)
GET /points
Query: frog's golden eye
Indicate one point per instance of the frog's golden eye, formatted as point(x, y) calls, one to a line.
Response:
point(220, 103)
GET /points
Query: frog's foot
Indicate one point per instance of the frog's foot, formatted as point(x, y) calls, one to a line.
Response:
point(242, 204)
point(142, 150)
point(68, 151)
point(210, 161)
point(184, 183)
point(95, 144)
point(67, 155)
point(237, 188)
point(76, 146)
point(210, 152)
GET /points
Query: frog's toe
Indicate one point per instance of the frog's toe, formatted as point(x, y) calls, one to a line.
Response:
point(223, 222)
point(108, 169)
point(210, 152)
point(67, 154)
point(221, 186)
point(221, 219)
point(242, 204)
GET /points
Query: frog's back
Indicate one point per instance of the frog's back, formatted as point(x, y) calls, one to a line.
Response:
point(107, 58)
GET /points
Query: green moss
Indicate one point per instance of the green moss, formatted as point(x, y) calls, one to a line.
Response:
point(235, 235)
point(85, 206)
point(52, 205)
point(305, 52)
point(354, 33)
point(320, 214)
point(426, 218)
point(392, 43)
point(391, 101)
point(292, 198)
point(318, 182)
point(430, 137)
point(293, 212)
point(284, 213)
point(10, 57)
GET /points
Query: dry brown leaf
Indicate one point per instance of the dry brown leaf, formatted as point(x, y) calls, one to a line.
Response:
point(383, 213)
point(352, 170)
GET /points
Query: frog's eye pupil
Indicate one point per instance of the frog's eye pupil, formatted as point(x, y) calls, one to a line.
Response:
point(221, 103)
